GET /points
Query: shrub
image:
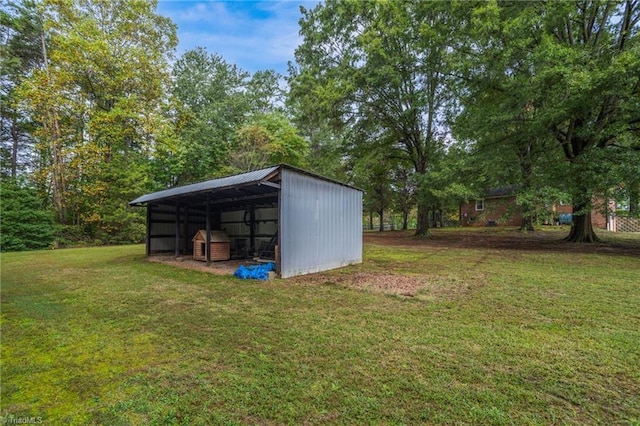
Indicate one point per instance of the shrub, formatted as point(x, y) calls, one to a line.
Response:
point(25, 223)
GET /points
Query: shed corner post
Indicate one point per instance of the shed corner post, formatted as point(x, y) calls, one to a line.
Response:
point(148, 230)
point(278, 257)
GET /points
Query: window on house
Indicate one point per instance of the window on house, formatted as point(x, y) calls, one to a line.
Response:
point(479, 204)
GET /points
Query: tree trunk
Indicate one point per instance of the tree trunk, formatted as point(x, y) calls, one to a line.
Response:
point(422, 228)
point(14, 149)
point(526, 169)
point(381, 214)
point(527, 218)
point(582, 228)
point(527, 223)
point(58, 184)
point(440, 218)
point(405, 220)
point(422, 224)
point(371, 220)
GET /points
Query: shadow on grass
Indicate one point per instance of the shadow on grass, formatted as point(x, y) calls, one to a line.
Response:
point(625, 244)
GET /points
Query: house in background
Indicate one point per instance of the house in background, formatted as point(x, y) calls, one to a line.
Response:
point(499, 208)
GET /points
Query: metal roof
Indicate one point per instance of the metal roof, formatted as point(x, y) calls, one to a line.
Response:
point(214, 184)
point(244, 184)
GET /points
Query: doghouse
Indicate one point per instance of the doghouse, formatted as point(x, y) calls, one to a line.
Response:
point(220, 245)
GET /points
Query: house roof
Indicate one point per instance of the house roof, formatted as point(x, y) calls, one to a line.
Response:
point(216, 236)
point(505, 191)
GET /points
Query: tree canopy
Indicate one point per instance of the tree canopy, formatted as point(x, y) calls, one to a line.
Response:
point(422, 104)
point(567, 72)
point(381, 70)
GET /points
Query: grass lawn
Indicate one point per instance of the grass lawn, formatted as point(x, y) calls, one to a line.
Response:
point(497, 335)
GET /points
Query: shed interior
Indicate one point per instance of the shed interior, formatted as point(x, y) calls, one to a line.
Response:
point(246, 211)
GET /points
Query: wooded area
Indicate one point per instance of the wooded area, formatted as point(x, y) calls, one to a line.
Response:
point(421, 104)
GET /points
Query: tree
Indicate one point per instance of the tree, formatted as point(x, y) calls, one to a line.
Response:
point(326, 141)
point(574, 69)
point(267, 139)
point(370, 173)
point(21, 54)
point(507, 150)
point(454, 178)
point(219, 105)
point(264, 92)
point(380, 70)
point(95, 100)
point(404, 188)
point(26, 222)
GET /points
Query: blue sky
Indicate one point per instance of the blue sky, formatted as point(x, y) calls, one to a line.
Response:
point(255, 35)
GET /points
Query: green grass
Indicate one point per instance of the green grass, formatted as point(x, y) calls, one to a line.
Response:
point(101, 336)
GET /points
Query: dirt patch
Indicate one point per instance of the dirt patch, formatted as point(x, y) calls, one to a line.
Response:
point(226, 267)
point(505, 239)
point(421, 286)
point(404, 285)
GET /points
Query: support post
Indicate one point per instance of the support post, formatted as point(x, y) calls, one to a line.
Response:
point(208, 231)
point(252, 230)
point(185, 230)
point(177, 242)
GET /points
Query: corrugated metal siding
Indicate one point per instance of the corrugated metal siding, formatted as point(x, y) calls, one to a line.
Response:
point(321, 224)
point(163, 244)
point(163, 223)
point(265, 226)
point(264, 222)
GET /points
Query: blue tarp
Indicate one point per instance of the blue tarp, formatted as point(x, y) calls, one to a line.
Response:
point(255, 272)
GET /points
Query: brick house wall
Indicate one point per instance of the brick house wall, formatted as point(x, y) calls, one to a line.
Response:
point(502, 211)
